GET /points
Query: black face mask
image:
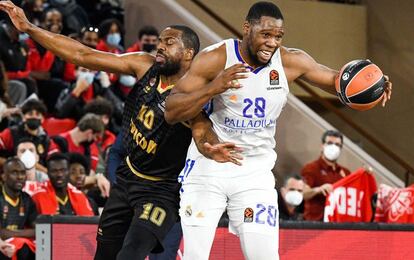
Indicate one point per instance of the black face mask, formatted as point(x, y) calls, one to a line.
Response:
point(33, 123)
point(147, 47)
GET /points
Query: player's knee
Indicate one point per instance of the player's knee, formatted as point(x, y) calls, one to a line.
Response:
point(259, 246)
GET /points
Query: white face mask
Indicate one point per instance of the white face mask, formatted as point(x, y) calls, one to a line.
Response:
point(127, 80)
point(331, 152)
point(29, 159)
point(293, 197)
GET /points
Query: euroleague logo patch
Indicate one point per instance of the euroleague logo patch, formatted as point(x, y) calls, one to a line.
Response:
point(248, 215)
point(274, 77)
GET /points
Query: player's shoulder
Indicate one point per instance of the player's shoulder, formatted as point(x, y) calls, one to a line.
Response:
point(210, 61)
point(140, 62)
point(293, 56)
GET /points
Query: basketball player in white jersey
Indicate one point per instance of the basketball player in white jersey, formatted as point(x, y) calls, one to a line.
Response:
point(247, 84)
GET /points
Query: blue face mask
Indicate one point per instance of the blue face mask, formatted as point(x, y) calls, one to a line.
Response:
point(23, 37)
point(87, 75)
point(127, 81)
point(113, 39)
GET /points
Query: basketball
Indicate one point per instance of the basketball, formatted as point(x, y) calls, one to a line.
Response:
point(360, 84)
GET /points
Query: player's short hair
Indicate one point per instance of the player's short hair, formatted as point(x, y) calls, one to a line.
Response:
point(34, 104)
point(147, 30)
point(332, 133)
point(260, 9)
point(57, 157)
point(189, 37)
point(91, 121)
point(99, 107)
point(81, 159)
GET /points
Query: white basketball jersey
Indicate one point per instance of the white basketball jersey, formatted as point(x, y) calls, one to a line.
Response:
point(246, 116)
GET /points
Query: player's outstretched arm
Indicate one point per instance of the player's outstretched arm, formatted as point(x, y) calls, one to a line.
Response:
point(205, 79)
point(75, 52)
point(299, 64)
point(209, 145)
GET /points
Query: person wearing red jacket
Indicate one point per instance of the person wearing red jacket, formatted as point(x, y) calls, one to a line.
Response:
point(58, 196)
point(320, 174)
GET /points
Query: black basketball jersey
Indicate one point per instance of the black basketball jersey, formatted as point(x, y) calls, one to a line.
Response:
point(18, 216)
point(154, 147)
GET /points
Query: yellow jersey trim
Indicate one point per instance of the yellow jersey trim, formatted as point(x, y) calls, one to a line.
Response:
point(151, 178)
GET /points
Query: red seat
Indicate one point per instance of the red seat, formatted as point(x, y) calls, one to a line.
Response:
point(55, 126)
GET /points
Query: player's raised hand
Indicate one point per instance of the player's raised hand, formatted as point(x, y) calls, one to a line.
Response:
point(229, 77)
point(16, 15)
point(223, 152)
point(388, 90)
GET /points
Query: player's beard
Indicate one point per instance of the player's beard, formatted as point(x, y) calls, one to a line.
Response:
point(170, 67)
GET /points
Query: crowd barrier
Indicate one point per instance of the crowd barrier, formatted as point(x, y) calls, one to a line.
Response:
point(68, 237)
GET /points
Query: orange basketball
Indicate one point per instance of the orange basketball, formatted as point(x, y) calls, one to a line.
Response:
point(360, 84)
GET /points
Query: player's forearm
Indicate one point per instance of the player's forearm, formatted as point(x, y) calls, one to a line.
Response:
point(202, 131)
point(309, 193)
point(29, 233)
point(181, 107)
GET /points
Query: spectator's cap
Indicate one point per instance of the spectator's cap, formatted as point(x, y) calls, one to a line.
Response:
point(34, 104)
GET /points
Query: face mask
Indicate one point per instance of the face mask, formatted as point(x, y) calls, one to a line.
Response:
point(113, 39)
point(127, 81)
point(293, 197)
point(23, 37)
point(147, 47)
point(331, 152)
point(33, 123)
point(86, 75)
point(29, 159)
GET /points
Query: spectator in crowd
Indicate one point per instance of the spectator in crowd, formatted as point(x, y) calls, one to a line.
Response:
point(89, 85)
point(116, 155)
point(319, 175)
point(34, 10)
point(81, 140)
point(74, 16)
point(111, 33)
point(78, 170)
point(52, 73)
point(104, 109)
point(6, 103)
point(290, 199)
point(147, 40)
point(57, 196)
point(33, 115)
point(36, 173)
point(14, 54)
point(89, 36)
point(18, 211)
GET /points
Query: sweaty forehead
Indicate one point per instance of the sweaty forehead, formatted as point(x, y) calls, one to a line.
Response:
point(269, 23)
point(170, 32)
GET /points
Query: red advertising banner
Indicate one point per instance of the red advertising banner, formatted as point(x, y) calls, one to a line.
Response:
point(77, 241)
point(395, 205)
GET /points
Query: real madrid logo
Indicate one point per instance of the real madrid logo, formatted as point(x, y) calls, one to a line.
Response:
point(40, 149)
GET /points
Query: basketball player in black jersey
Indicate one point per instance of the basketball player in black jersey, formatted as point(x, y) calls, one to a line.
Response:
point(143, 205)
